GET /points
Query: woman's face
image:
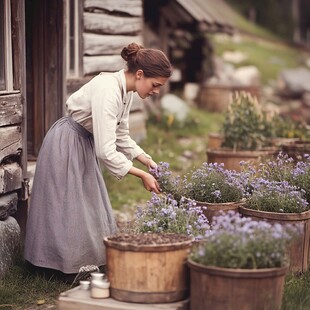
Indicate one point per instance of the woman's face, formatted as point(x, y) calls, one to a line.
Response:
point(148, 86)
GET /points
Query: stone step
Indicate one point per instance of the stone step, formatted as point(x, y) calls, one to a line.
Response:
point(78, 299)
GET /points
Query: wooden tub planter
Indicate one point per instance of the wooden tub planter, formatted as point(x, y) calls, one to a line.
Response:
point(243, 289)
point(231, 159)
point(300, 247)
point(151, 273)
point(213, 209)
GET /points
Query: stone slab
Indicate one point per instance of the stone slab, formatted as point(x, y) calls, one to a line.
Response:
point(78, 299)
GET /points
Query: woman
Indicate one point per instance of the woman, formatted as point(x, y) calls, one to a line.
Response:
point(70, 211)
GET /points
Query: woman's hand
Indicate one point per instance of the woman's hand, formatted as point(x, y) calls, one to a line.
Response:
point(150, 183)
point(151, 164)
point(147, 161)
point(148, 180)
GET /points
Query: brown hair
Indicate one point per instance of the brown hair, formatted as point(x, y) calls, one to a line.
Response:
point(153, 62)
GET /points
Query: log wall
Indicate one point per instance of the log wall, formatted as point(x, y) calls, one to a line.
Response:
point(11, 175)
point(108, 26)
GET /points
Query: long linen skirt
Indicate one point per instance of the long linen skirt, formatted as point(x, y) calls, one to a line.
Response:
point(70, 211)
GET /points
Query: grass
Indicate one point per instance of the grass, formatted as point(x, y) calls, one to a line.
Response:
point(269, 57)
point(21, 290)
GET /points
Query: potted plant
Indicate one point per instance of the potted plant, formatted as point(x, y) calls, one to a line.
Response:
point(286, 131)
point(242, 265)
point(246, 131)
point(276, 194)
point(147, 265)
point(213, 187)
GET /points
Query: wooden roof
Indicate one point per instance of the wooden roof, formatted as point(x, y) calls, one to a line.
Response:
point(212, 15)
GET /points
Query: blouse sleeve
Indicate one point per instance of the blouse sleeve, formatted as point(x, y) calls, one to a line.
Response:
point(106, 105)
point(124, 142)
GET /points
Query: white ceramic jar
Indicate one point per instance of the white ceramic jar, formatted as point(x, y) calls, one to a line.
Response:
point(100, 287)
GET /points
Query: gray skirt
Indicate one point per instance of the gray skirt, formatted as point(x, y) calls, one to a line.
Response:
point(70, 211)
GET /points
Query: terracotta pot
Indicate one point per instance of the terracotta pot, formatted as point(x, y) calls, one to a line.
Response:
point(243, 289)
point(148, 273)
point(213, 209)
point(299, 250)
point(215, 140)
point(232, 159)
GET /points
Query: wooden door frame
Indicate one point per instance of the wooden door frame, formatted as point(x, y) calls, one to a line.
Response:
point(48, 68)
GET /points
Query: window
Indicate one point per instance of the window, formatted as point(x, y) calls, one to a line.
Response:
point(6, 64)
point(73, 38)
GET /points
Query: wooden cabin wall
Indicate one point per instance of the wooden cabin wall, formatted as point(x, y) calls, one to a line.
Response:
point(13, 151)
point(108, 26)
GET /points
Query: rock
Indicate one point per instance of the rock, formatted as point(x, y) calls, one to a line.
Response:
point(234, 57)
point(9, 243)
point(8, 205)
point(176, 106)
point(294, 82)
point(247, 76)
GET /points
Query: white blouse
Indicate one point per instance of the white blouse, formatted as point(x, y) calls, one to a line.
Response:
point(102, 107)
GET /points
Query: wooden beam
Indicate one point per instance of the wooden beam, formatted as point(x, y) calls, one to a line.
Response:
point(10, 110)
point(96, 44)
point(10, 177)
point(96, 64)
point(109, 24)
point(132, 7)
point(11, 141)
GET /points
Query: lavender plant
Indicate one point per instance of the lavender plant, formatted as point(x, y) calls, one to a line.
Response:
point(273, 196)
point(285, 169)
point(240, 242)
point(164, 214)
point(214, 184)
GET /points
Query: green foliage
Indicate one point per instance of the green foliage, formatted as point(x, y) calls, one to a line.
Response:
point(245, 126)
point(286, 127)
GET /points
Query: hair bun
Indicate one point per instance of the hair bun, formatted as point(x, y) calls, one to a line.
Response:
point(130, 50)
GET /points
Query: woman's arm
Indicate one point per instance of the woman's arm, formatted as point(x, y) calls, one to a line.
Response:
point(148, 180)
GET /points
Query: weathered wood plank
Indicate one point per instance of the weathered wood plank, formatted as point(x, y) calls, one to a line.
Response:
point(109, 24)
point(8, 205)
point(11, 141)
point(95, 64)
point(96, 44)
point(132, 7)
point(10, 110)
point(10, 177)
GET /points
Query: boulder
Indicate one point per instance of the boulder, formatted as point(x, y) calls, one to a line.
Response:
point(9, 243)
point(176, 106)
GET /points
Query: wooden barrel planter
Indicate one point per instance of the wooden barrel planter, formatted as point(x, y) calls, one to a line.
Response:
point(213, 209)
point(300, 248)
point(214, 98)
point(148, 273)
point(243, 289)
point(232, 159)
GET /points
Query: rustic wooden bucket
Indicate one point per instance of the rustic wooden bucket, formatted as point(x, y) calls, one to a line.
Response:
point(148, 273)
point(300, 248)
point(232, 159)
point(213, 209)
point(214, 98)
point(243, 289)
